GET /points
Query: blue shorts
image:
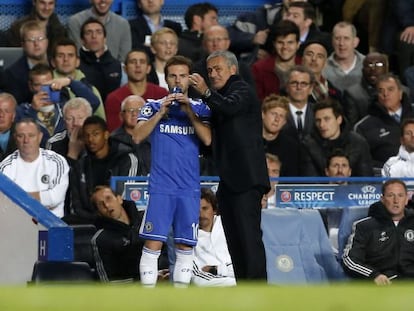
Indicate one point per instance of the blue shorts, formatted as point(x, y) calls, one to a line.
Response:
point(164, 211)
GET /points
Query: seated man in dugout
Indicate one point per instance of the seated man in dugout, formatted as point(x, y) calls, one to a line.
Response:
point(381, 246)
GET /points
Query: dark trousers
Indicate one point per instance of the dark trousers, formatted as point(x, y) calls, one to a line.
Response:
point(241, 216)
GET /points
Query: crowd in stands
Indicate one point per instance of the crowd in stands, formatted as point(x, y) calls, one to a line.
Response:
point(336, 99)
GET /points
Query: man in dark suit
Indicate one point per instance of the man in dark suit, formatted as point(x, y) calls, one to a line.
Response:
point(298, 88)
point(240, 157)
point(303, 14)
point(148, 21)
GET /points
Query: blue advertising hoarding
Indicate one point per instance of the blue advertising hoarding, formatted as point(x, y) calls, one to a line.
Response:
point(326, 195)
point(138, 192)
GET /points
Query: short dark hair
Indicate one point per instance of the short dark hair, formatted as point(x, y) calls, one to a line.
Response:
point(404, 123)
point(64, 42)
point(308, 9)
point(40, 69)
point(281, 29)
point(96, 120)
point(337, 152)
point(91, 20)
point(331, 103)
point(387, 76)
point(99, 188)
point(208, 195)
point(178, 60)
point(393, 181)
point(138, 50)
point(197, 9)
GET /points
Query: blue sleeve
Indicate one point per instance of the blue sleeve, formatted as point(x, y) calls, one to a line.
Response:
point(148, 110)
point(80, 89)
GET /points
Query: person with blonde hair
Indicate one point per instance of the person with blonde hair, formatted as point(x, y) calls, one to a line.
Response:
point(275, 110)
point(164, 45)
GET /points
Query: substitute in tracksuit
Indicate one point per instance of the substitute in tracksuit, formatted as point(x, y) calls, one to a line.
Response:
point(381, 246)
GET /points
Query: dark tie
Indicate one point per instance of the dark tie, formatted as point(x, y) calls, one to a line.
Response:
point(299, 120)
point(396, 117)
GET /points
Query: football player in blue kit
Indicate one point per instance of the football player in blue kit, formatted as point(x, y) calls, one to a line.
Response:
point(175, 125)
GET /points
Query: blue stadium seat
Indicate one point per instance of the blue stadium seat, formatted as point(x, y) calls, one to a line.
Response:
point(349, 216)
point(297, 248)
point(12, 10)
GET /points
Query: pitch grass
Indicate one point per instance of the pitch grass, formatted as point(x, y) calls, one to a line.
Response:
point(252, 297)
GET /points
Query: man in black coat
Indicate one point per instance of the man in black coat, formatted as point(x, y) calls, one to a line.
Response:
point(332, 132)
point(239, 154)
point(381, 127)
point(116, 245)
point(381, 246)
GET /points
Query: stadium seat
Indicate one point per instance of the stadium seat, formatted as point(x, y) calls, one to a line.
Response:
point(297, 248)
point(8, 55)
point(82, 249)
point(61, 271)
point(349, 216)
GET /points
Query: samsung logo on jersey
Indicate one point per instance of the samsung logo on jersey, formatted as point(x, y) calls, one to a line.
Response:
point(176, 129)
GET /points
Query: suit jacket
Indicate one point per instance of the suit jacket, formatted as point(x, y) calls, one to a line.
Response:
point(140, 29)
point(308, 126)
point(16, 80)
point(237, 138)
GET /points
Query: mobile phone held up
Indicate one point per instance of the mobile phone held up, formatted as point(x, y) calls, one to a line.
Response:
point(54, 96)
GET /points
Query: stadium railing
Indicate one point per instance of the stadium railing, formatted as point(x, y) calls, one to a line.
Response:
point(30, 232)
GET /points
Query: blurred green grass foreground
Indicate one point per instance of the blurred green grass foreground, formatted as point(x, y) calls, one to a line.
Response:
point(250, 296)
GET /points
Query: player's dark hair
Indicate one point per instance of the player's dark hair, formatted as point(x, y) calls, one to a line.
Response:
point(208, 195)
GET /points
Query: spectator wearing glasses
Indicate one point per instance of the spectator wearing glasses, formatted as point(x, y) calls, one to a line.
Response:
point(34, 44)
point(382, 126)
point(299, 86)
point(137, 66)
point(358, 97)
point(130, 110)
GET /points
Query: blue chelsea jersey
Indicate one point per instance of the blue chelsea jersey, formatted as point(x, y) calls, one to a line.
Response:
point(174, 149)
